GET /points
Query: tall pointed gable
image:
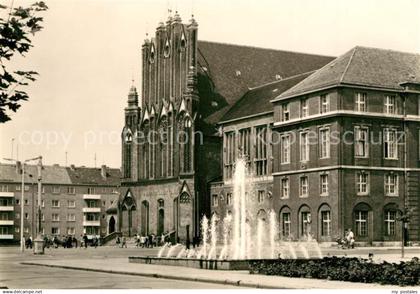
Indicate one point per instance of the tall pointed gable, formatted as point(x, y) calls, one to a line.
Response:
point(363, 66)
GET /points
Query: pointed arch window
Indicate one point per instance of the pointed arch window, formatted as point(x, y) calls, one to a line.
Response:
point(185, 144)
point(146, 150)
point(167, 49)
point(170, 136)
point(152, 54)
point(128, 138)
point(183, 41)
point(163, 146)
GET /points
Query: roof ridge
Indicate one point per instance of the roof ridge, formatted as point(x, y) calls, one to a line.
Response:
point(347, 66)
point(277, 81)
point(386, 49)
point(265, 48)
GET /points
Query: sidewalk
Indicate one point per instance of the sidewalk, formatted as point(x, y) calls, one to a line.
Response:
point(236, 278)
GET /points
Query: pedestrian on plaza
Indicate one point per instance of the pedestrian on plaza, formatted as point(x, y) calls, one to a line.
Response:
point(142, 241)
point(85, 239)
point(137, 240)
point(350, 238)
point(74, 240)
point(118, 241)
point(124, 242)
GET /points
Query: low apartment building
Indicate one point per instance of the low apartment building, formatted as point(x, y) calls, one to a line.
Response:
point(74, 201)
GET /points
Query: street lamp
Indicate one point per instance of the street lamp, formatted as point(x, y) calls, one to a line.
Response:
point(22, 199)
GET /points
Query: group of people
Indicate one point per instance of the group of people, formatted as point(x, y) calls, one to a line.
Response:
point(147, 241)
point(348, 240)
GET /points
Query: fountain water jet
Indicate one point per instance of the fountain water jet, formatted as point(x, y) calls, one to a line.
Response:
point(172, 249)
point(273, 233)
point(260, 231)
point(213, 236)
point(160, 253)
point(205, 235)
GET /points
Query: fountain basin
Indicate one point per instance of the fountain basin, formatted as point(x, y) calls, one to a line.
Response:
point(212, 264)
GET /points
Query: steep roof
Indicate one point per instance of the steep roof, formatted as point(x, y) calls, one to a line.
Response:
point(60, 175)
point(257, 100)
point(89, 175)
point(50, 174)
point(233, 69)
point(366, 67)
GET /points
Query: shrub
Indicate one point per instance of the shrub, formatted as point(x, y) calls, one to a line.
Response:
point(342, 269)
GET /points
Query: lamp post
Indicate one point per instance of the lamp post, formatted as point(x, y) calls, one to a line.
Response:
point(22, 198)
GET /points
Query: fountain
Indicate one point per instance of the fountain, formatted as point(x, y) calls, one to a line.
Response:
point(237, 244)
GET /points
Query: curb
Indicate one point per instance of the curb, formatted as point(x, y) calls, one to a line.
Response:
point(237, 283)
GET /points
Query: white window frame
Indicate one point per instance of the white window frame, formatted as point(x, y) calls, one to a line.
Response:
point(285, 149)
point(361, 102)
point(326, 221)
point(390, 221)
point(286, 224)
point(215, 200)
point(390, 146)
point(71, 231)
point(304, 110)
point(304, 146)
point(229, 199)
point(323, 185)
point(56, 190)
point(390, 104)
point(55, 217)
point(285, 188)
point(303, 186)
point(57, 233)
point(391, 180)
point(359, 221)
point(71, 217)
point(361, 141)
point(324, 143)
point(360, 183)
point(55, 206)
point(73, 203)
point(324, 103)
point(285, 112)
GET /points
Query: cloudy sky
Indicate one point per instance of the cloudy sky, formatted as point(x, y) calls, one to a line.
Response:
point(90, 50)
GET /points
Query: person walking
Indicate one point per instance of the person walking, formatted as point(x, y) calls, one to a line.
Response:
point(85, 240)
point(124, 243)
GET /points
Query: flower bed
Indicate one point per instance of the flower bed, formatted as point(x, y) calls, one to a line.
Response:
point(342, 269)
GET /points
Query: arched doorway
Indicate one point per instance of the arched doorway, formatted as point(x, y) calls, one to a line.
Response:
point(144, 218)
point(111, 226)
point(161, 221)
point(161, 217)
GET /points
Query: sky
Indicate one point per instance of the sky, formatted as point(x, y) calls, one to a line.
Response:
point(90, 51)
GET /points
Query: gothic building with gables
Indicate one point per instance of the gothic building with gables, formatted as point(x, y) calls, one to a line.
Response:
point(172, 143)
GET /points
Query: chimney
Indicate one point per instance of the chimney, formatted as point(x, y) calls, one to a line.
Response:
point(103, 171)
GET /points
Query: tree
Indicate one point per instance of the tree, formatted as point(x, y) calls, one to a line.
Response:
point(16, 29)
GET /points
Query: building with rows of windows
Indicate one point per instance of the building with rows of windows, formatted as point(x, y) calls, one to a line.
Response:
point(330, 143)
point(171, 141)
point(74, 201)
point(349, 153)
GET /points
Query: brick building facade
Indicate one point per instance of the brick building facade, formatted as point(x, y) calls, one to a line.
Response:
point(349, 149)
point(187, 87)
point(74, 201)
